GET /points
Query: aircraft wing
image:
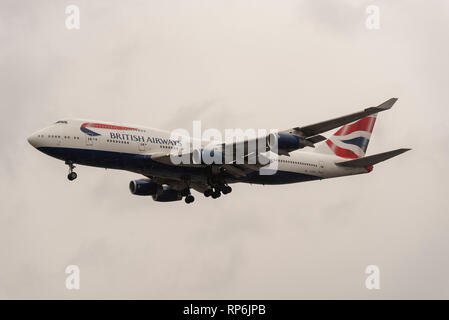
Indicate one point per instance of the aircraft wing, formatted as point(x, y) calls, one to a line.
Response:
point(164, 158)
point(236, 169)
point(320, 127)
point(307, 136)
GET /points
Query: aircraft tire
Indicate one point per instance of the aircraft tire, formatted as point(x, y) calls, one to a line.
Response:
point(72, 176)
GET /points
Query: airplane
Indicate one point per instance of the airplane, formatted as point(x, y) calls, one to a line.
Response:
point(301, 154)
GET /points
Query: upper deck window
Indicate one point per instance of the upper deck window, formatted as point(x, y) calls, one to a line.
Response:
point(61, 121)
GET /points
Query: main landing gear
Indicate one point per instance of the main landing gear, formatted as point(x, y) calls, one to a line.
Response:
point(72, 175)
point(217, 191)
point(189, 199)
point(188, 196)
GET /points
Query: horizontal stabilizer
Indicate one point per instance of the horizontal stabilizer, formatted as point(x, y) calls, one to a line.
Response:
point(372, 160)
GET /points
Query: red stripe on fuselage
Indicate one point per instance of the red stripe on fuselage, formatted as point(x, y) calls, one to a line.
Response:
point(344, 153)
point(365, 124)
point(105, 126)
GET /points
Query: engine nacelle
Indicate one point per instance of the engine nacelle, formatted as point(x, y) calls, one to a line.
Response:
point(287, 142)
point(167, 195)
point(143, 187)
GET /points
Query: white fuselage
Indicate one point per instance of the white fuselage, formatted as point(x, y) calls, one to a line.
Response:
point(112, 145)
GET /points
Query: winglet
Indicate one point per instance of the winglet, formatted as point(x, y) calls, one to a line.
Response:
point(384, 106)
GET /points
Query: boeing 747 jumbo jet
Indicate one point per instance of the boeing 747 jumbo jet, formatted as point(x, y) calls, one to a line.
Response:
point(298, 154)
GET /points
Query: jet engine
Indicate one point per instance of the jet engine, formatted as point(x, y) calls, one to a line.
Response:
point(287, 142)
point(143, 187)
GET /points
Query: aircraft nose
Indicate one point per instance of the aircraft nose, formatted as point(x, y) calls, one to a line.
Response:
point(32, 140)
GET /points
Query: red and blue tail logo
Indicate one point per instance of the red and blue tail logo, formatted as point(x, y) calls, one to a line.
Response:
point(351, 140)
point(84, 128)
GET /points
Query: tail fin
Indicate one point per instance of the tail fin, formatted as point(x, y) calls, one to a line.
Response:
point(351, 140)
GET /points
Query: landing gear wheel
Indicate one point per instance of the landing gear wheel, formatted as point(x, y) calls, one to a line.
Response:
point(226, 189)
point(189, 199)
point(216, 194)
point(208, 193)
point(72, 176)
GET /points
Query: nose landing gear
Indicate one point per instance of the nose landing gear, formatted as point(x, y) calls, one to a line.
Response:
point(72, 175)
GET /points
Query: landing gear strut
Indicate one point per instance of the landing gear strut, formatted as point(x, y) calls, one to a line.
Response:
point(72, 175)
point(186, 192)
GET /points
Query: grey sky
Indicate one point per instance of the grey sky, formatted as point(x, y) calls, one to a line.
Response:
point(267, 64)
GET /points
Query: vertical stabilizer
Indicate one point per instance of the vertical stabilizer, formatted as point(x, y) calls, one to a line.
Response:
point(351, 140)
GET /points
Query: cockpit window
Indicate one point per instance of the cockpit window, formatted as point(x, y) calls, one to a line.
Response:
point(61, 121)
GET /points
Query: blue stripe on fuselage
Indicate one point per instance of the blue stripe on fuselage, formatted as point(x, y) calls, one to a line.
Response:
point(143, 164)
point(89, 132)
point(139, 163)
point(280, 177)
